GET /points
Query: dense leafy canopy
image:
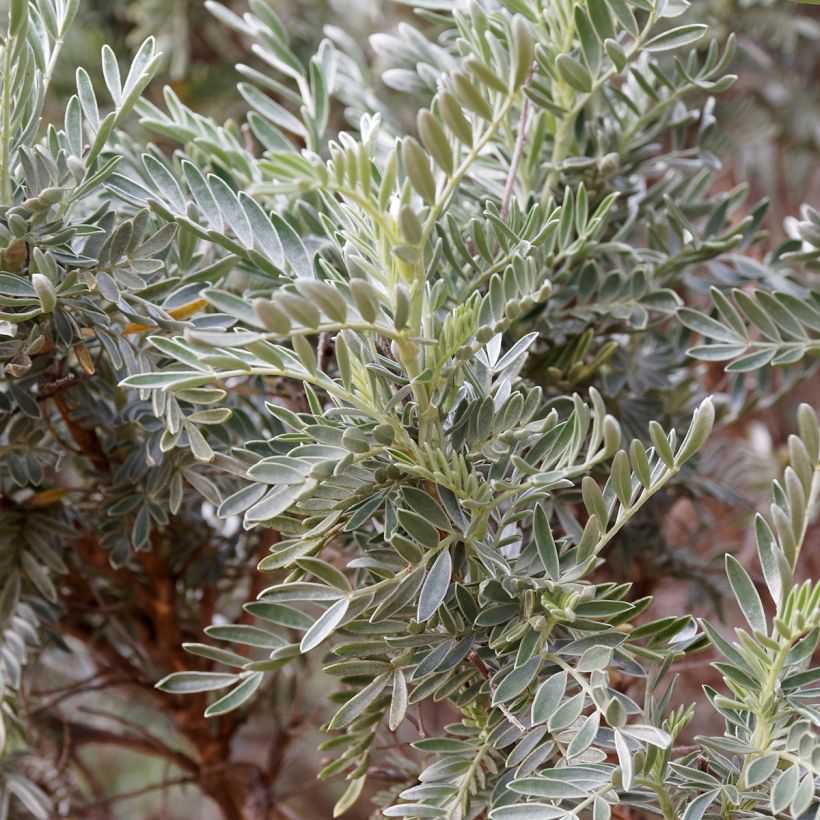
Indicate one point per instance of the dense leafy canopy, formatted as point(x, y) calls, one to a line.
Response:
point(451, 365)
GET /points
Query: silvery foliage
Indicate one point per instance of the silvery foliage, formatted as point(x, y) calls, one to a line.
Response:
point(83, 280)
point(62, 246)
point(476, 313)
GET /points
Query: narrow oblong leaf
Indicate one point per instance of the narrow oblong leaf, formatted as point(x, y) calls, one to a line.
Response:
point(567, 713)
point(593, 500)
point(236, 697)
point(676, 37)
point(620, 477)
point(281, 614)
point(548, 697)
point(545, 543)
point(214, 653)
point(245, 634)
point(325, 625)
point(762, 769)
point(697, 808)
point(523, 50)
point(746, 595)
point(454, 118)
point(625, 760)
point(599, 15)
point(752, 361)
point(708, 327)
point(702, 423)
point(350, 796)
point(516, 681)
point(419, 529)
point(435, 586)
point(183, 683)
point(398, 701)
point(585, 735)
point(574, 73)
point(417, 168)
point(427, 507)
point(785, 788)
point(661, 442)
point(435, 140)
point(111, 74)
point(767, 552)
point(358, 703)
point(590, 42)
point(527, 811)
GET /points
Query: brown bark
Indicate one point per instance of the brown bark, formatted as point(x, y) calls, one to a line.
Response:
point(133, 621)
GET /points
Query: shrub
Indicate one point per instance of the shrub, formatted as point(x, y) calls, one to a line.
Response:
point(441, 372)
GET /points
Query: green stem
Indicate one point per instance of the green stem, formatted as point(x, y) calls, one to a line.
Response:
point(455, 180)
point(365, 204)
point(762, 734)
point(460, 799)
point(577, 809)
point(630, 511)
point(52, 62)
point(767, 701)
point(569, 472)
point(409, 355)
point(5, 142)
point(559, 150)
point(325, 383)
point(576, 675)
point(429, 430)
point(662, 793)
point(395, 580)
point(561, 143)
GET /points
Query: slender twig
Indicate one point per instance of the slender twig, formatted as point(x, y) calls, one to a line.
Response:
point(130, 724)
point(76, 688)
point(90, 777)
point(84, 734)
point(325, 350)
point(51, 388)
point(518, 150)
point(476, 661)
point(65, 752)
point(58, 438)
point(248, 139)
point(165, 784)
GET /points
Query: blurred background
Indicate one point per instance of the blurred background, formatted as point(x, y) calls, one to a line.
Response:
point(769, 137)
